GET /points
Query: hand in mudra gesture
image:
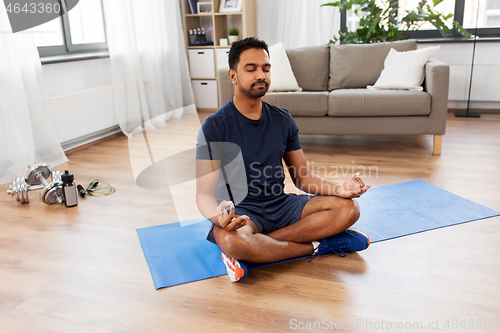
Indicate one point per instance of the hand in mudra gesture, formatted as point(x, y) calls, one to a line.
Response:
point(230, 221)
point(352, 188)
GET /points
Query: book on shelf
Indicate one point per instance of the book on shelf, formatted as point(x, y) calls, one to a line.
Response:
point(193, 5)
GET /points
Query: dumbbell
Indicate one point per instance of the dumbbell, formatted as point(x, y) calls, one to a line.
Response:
point(38, 174)
point(52, 192)
point(36, 178)
point(20, 189)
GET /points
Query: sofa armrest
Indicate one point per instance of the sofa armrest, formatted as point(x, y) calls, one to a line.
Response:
point(437, 79)
point(226, 87)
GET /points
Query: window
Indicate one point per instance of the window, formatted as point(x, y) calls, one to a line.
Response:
point(447, 6)
point(464, 12)
point(489, 14)
point(81, 30)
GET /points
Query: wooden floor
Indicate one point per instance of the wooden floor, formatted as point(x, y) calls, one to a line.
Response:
point(82, 269)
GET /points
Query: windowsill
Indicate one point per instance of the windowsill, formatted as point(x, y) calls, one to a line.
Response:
point(74, 57)
point(458, 40)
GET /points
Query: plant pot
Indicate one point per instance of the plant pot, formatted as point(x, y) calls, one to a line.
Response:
point(232, 39)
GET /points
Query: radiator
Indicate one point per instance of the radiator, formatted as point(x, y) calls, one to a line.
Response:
point(83, 113)
point(485, 83)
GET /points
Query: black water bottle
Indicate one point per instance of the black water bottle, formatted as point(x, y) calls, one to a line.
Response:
point(69, 189)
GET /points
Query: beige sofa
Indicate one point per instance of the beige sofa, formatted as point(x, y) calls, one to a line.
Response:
point(334, 98)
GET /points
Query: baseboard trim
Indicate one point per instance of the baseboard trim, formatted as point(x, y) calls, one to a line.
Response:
point(476, 110)
point(89, 138)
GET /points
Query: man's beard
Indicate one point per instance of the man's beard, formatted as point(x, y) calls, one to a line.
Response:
point(254, 93)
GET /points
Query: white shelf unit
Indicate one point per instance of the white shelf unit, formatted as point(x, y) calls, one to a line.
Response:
point(205, 60)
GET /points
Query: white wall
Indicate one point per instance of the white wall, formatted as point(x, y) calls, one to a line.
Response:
point(80, 97)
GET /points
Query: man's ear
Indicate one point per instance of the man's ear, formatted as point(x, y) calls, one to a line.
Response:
point(232, 75)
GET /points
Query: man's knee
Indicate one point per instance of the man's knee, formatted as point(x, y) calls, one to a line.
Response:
point(234, 244)
point(352, 211)
point(349, 210)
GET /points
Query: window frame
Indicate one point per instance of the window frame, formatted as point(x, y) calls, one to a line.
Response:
point(458, 15)
point(69, 48)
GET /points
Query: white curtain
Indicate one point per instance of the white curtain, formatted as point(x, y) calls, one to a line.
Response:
point(27, 133)
point(148, 61)
point(305, 23)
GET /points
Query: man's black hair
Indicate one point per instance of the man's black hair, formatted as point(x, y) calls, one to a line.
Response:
point(242, 45)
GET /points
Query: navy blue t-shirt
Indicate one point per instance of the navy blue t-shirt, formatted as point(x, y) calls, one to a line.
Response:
point(250, 151)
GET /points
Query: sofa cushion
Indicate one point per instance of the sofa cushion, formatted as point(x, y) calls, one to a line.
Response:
point(360, 65)
point(282, 77)
point(365, 102)
point(305, 103)
point(310, 66)
point(404, 70)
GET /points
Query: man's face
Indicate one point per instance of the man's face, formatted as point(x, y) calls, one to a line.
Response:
point(253, 73)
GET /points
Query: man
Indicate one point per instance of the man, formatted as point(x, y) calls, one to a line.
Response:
point(247, 141)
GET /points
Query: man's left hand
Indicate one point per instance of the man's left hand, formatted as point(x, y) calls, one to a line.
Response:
point(353, 188)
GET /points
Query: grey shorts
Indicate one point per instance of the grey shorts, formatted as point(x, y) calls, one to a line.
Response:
point(272, 214)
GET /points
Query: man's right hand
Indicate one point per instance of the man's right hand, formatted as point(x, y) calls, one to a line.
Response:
point(230, 221)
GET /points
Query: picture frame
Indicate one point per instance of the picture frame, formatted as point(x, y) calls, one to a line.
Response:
point(193, 6)
point(204, 7)
point(230, 6)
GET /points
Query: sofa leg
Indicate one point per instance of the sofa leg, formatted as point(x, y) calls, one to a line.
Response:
point(437, 144)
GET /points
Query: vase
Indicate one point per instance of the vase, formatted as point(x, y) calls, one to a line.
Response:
point(232, 39)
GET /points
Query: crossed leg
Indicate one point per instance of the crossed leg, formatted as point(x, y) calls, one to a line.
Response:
point(322, 216)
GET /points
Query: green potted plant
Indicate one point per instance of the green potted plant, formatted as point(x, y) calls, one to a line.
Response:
point(379, 20)
point(233, 34)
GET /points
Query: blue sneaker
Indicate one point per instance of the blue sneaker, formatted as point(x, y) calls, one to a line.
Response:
point(236, 269)
point(350, 240)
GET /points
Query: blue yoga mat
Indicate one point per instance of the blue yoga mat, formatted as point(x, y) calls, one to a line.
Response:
point(179, 253)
